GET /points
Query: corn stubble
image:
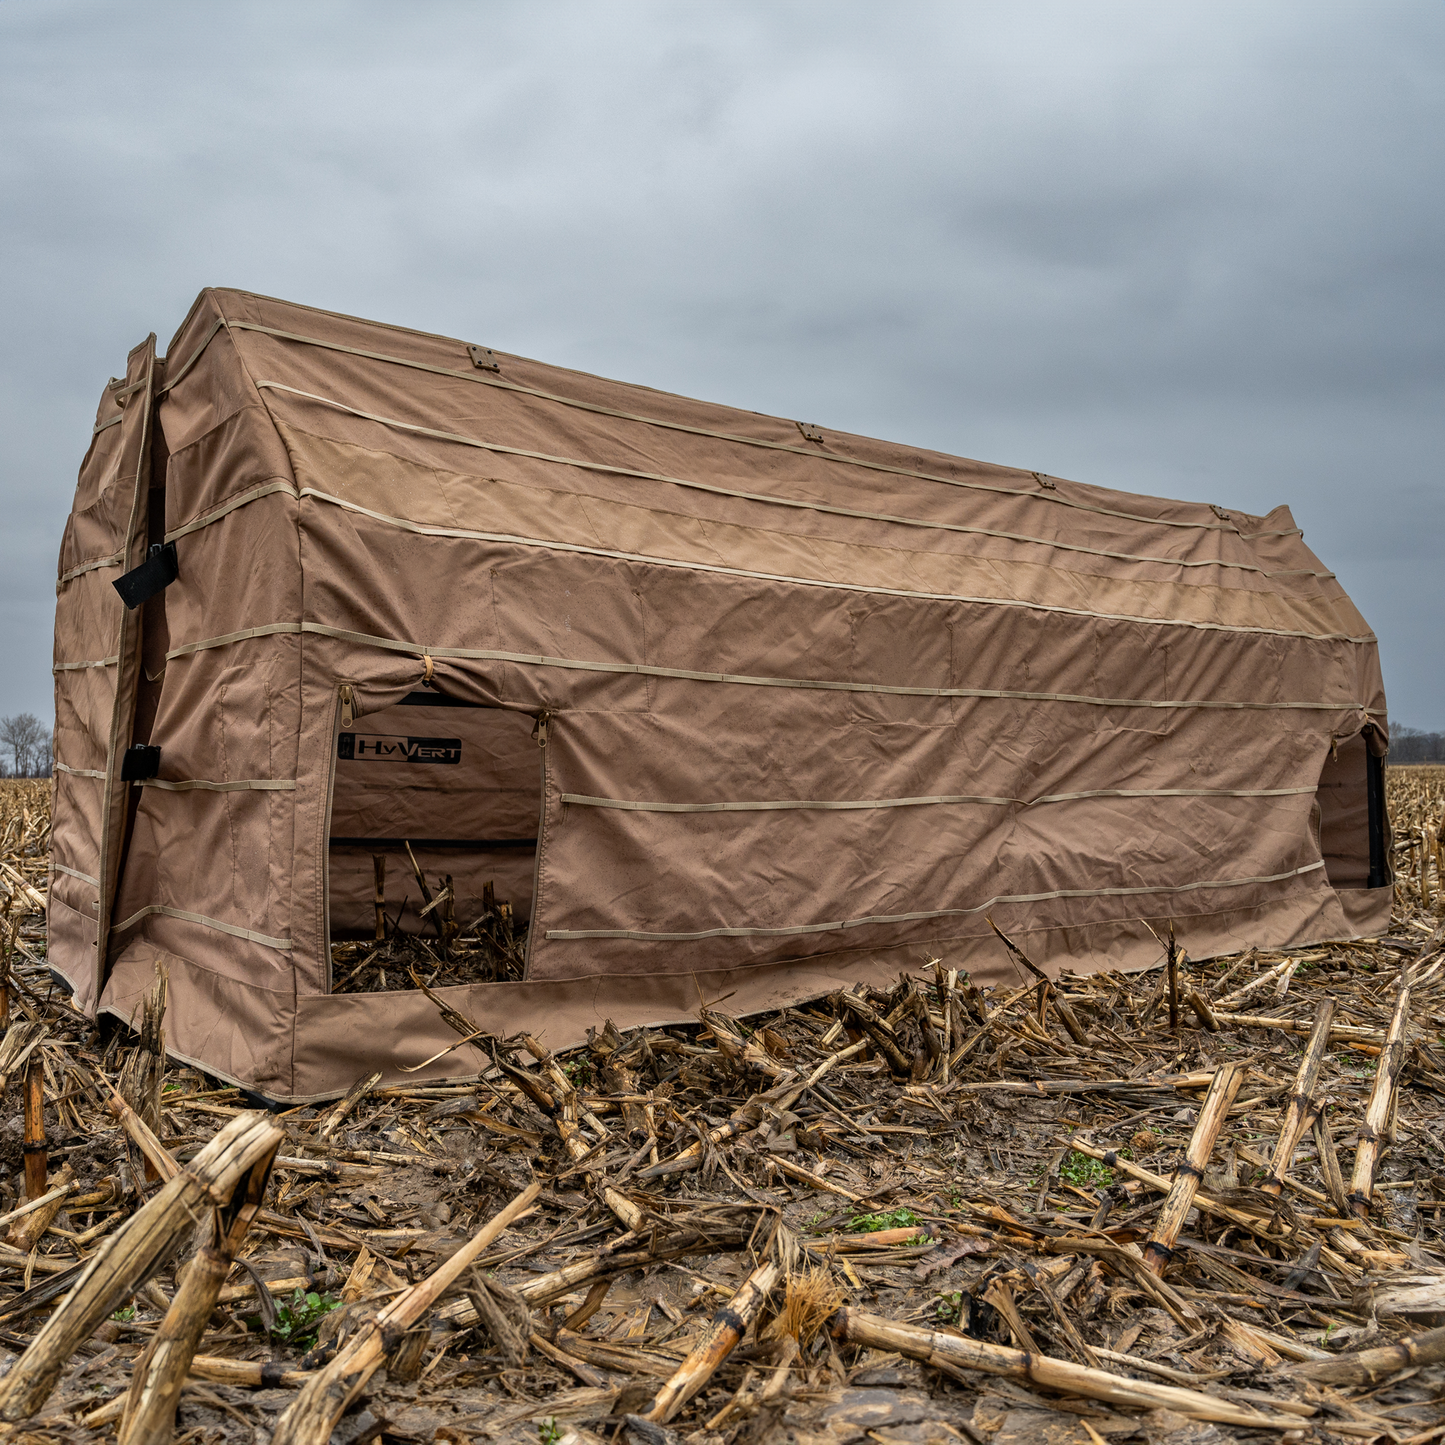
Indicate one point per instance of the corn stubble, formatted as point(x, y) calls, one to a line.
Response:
point(1214, 1192)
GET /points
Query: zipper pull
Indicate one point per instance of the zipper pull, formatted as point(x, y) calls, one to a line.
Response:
point(540, 731)
point(348, 701)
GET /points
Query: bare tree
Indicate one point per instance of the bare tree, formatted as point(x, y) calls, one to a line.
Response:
point(27, 742)
point(1412, 745)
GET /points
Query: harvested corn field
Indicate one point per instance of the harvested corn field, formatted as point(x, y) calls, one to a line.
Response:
point(491, 948)
point(1417, 813)
point(1203, 1201)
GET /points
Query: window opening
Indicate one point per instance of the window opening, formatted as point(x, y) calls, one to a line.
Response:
point(432, 849)
point(1351, 816)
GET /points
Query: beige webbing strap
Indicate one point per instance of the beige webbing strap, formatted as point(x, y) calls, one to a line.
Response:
point(76, 873)
point(427, 663)
point(642, 669)
point(240, 785)
point(682, 564)
point(805, 451)
point(195, 356)
point(774, 500)
point(114, 560)
point(161, 910)
point(848, 805)
point(80, 772)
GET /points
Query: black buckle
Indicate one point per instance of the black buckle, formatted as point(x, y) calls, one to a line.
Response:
point(139, 762)
point(155, 574)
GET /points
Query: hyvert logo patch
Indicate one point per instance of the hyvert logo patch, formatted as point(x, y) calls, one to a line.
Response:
point(390, 748)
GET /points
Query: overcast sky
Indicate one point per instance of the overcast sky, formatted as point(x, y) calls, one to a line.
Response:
point(1191, 249)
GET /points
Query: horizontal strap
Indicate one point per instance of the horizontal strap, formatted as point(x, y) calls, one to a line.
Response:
point(258, 785)
point(100, 426)
point(270, 629)
point(812, 804)
point(75, 872)
point(459, 845)
point(226, 508)
point(195, 356)
point(718, 569)
point(80, 666)
point(574, 664)
point(79, 772)
point(1172, 793)
point(809, 805)
point(265, 940)
point(115, 560)
point(772, 499)
point(813, 453)
point(637, 935)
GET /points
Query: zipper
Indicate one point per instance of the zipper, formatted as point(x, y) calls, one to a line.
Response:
point(345, 717)
point(544, 719)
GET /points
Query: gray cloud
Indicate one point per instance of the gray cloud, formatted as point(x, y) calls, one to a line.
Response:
point(1192, 250)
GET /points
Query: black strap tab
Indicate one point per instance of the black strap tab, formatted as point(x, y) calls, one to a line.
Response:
point(156, 573)
point(139, 762)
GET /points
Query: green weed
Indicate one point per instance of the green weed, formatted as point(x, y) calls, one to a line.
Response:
point(1081, 1171)
point(893, 1219)
point(297, 1318)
